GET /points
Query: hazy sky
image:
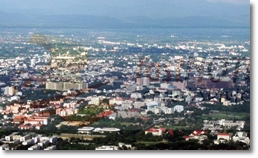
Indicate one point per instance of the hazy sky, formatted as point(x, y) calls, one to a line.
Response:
point(125, 8)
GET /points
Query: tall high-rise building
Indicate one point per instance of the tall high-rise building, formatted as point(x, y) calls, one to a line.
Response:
point(33, 62)
point(139, 81)
point(9, 91)
point(145, 81)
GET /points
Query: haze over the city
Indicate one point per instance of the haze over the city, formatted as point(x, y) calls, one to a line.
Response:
point(228, 12)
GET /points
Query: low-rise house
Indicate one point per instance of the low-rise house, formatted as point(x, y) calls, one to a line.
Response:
point(155, 131)
point(25, 126)
point(127, 104)
point(16, 137)
point(66, 111)
point(241, 137)
point(112, 116)
point(24, 138)
point(117, 101)
point(18, 119)
point(52, 147)
point(4, 147)
point(178, 108)
point(105, 113)
point(126, 145)
point(44, 142)
point(10, 137)
point(138, 104)
point(105, 147)
point(53, 139)
point(34, 147)
point(28, 142)
point(199, 135)
point(222, 138)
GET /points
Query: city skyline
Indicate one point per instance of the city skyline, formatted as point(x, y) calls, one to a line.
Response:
point(125, 75)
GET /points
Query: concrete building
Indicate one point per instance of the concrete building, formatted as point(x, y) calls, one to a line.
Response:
point(44, 142)
point(54, 85)
point(136, 95)
point(138, 104)
point(180, 85)
point(127, 104)
point(52, 147)
point(94, 100)
point(53, 139)
point(155, 131)
point(62, 86)
point(10, 91)
point(178, 108)
point(4, 147)
point(139, 81)
point(87, 130)
point(198, 82)
point(164, 85)
point(28, 142)
point(32, 62)
point(110, 147)
point(34, 147)
point(26, 137)
point(241, 137)
point(167, 110)
point(145, 81)
point(224, 136)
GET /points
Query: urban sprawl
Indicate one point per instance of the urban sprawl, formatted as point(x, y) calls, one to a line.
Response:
point(68, 92)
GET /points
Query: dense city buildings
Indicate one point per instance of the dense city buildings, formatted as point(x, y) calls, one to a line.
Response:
point(117, 91)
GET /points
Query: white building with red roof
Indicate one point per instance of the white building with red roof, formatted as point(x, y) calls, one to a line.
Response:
point(156, 131)
point(225, 136)
point(222, 138)
point(197, 134)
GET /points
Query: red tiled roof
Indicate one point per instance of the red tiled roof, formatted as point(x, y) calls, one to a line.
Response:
point(162, 129)
point(223, 134)
point(37, 125)
point(152, 130)
point(198, 132)
point(156, 130)
point(170, 131)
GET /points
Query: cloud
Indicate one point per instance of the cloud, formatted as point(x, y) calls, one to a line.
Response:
point(231, 1)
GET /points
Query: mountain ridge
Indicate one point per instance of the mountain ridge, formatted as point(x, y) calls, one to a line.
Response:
point(91, 21)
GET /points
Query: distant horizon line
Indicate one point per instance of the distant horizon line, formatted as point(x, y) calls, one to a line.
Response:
point(136, 27)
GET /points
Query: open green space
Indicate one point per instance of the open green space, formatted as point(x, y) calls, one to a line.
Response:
point(150, 142)
point(91, 111)
point(226, 115)
point(175, 127)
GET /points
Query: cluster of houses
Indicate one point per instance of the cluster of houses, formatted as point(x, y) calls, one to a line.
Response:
point(214, 125)
point(115, 147)
point(34, 141)
point(201, 135)
point(30, 121)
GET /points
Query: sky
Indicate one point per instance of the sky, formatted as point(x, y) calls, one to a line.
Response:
point(127, 8)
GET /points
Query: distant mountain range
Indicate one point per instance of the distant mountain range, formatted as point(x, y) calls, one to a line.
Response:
point(89, 21)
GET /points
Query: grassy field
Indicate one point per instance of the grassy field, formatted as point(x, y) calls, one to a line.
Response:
point(151, 142)
point(114, 123)
point(174, 127)
point(227, 115)
point(91, 111)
